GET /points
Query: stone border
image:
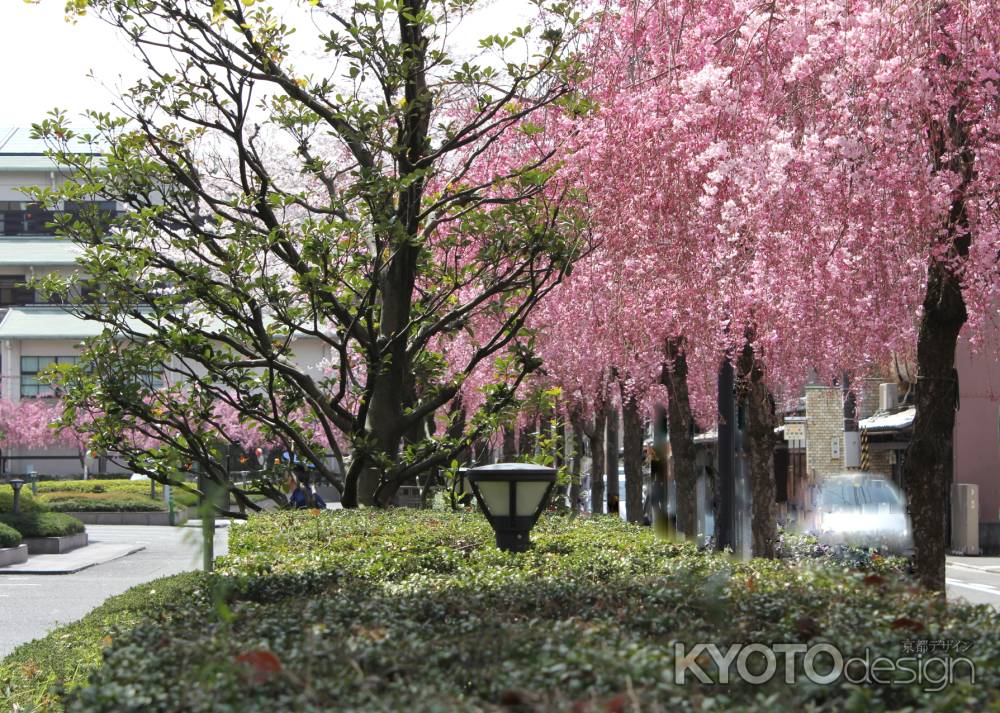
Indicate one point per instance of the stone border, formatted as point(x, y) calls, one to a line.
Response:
point(13, 555)
point(157, 517)
point(55, 545)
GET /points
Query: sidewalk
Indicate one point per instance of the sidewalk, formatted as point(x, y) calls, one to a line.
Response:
point(979, 564)
point(72, 562)
point(32, 604)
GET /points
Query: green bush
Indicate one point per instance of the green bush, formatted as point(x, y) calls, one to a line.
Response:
point(417, 611)
point(9, 537)
point(136, 488)
point(42, 524)
point(68, 501)
point(28, 502)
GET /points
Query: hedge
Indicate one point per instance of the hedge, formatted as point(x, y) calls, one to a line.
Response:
point(42, 524)
point(138, 488)
point(99, 502)
point(417, 611)
point(9, 537)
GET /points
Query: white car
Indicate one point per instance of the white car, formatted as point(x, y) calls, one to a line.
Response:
point(864, 510)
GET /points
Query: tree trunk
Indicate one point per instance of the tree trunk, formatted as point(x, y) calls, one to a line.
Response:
point(761, 439)
point(926, 472)
point(526, 439)
point(576, 468)
point(509, 449)
point(593, 429)
point(680, 429)
point(632, 435)
point(611, 458)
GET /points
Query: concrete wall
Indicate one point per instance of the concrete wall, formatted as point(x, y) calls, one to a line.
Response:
point(11, 351)
point(309, 353)
point(11, 181)
point(824, 427)
point(977, 426)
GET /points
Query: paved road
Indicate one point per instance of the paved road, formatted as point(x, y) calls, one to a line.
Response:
point(974, 579)
point(32, 605)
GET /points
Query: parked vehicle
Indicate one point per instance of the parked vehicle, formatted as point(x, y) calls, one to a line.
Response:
point(862, 509)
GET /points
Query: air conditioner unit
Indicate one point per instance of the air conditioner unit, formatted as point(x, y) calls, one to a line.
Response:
point(965, 519)
point(887, 397)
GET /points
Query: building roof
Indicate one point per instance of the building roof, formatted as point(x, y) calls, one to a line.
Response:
point(54, 322)
point(26, 163)
point(37, 251)
point(20, 152)
point(886, 421)
point(17, 141)
point(46, 323)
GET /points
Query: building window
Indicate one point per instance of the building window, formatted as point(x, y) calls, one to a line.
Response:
point(26, 218)
point(13, 291)
point(33, 366)
point(23, 218)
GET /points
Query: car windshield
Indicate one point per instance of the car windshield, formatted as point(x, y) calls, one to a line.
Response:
point(866, 495)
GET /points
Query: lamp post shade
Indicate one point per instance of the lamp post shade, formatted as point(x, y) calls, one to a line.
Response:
point(16, 484)
point(512, 496)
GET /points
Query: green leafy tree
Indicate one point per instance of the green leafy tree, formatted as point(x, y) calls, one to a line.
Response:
point(365, 187)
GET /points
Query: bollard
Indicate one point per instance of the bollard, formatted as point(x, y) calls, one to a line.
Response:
point(169, 499)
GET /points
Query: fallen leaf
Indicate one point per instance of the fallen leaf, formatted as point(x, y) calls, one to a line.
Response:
point(907, 623)
point(262, 665)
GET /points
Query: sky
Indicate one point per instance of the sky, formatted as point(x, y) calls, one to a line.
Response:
point(50, 61)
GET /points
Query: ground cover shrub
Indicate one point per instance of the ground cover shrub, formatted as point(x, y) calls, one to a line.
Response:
point(802, 548)
point(9, 537)
point(36, 675)
point(69, 501)
point(417, 611)
point(42, 524)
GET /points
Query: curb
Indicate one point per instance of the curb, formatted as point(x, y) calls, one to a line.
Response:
point(155, 517)
point(990, 569)
point(26, 568)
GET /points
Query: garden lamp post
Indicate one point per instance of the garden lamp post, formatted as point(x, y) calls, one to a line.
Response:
point(16, 484)
point(512, 496)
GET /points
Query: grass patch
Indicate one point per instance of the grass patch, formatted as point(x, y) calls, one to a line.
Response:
point(418, 611)
point(9, 537)
point(42, 524)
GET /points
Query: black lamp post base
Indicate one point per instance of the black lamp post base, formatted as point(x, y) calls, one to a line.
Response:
point(513, 540)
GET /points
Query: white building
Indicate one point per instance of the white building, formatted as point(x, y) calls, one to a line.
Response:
point(34, 334)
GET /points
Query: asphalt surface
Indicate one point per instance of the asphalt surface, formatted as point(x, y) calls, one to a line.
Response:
point(32, 605)
point(974, 579)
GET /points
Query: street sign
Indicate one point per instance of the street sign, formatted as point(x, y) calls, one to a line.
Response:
point(795, 432)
